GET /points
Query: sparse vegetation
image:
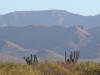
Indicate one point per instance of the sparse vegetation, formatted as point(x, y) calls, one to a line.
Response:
point(31, 60)
point(49, 68)
point(74, 56)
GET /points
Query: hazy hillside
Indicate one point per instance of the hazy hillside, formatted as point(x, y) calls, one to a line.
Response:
point(10, 51)
point(48, 18)
point(49, 55)
point(56, 39)
point(37, 37)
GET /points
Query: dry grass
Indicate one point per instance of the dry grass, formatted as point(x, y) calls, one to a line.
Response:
point(49, 68)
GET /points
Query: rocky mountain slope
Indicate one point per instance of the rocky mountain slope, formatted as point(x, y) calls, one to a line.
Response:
point(50, 42)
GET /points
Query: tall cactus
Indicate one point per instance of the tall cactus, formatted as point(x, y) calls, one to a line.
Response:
point(29, 60)
point(77, 55)
point(35, 59)
point(74, 56)
point(65, 56)
point(71, 56)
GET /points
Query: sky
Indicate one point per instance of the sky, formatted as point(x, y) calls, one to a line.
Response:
point(82, 7)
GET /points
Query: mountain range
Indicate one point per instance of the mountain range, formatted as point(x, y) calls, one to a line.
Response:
point(48, 34)
point(49, 42)
point(48, 18)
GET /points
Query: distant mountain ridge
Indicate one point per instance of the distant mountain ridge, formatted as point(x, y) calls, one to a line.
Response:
point(48, 34)
point(10, 51)
point(55, 39)
point(33, 36)
point(48, 18)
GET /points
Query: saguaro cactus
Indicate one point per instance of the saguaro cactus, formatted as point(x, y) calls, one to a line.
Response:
point(74, 56)
point(65, 56)
point(71, 56)
point(77, 55)
point(35, 59)
point(29, 60)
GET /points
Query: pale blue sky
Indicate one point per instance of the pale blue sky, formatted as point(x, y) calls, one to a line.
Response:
point(84, 7)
